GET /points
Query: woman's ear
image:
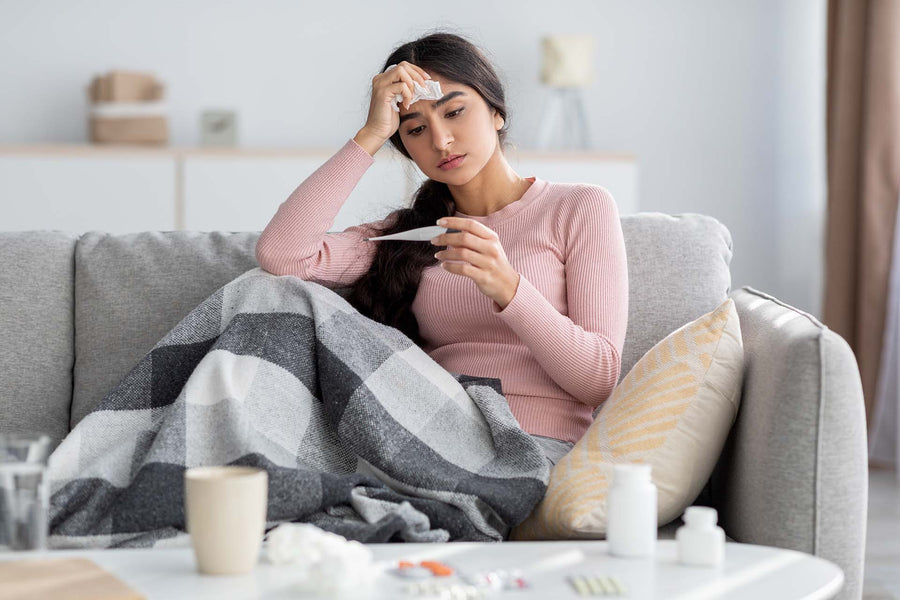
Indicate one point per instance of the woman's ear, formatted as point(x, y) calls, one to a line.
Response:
point(498, 120)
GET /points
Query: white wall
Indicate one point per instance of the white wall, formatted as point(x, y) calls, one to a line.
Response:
point(721, 102)
point(800, 155)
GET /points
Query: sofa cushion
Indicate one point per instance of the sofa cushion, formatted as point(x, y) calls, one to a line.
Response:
point(678, 269)
point(673, 411)
point(130, 290)
point(37, 353)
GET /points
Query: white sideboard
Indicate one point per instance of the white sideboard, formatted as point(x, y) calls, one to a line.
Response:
point(124, 189)
point(84, 191)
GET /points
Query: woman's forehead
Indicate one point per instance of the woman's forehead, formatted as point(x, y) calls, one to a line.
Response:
point(449, 84)
point(447, 88)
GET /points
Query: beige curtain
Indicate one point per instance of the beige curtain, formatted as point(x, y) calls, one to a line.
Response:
point(863, 154)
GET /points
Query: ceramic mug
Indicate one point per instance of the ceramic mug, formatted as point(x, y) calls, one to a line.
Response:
point(225, 512)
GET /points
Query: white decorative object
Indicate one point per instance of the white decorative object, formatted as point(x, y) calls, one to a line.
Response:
point(568, 60)
point(218, 128)
point(567, 67)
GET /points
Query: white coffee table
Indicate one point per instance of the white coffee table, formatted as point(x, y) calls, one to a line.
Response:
point(750, 571)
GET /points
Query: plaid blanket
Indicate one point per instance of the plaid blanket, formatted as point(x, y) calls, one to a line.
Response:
point(361, 432)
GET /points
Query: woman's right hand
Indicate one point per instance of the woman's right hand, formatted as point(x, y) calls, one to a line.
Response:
point(383, 120)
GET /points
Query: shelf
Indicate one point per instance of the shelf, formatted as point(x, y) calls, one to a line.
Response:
point(271, 152)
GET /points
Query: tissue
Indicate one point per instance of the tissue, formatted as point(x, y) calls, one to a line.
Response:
point(431, 91)
point(331, 564)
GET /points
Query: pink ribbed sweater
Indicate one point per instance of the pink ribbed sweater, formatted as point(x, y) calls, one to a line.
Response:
point(556, 347)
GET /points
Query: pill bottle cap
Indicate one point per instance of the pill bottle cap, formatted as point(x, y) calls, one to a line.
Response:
point(631, 473)
point(703, 517)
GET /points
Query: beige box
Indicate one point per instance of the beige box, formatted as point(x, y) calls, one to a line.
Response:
point(156, 91)
point(94, 90)
point(125, 86)
point(127, 111)
point(129, 130)
point(131, 86)
point(98, 91)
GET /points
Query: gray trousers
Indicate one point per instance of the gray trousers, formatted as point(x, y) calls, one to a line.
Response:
point(553, 448)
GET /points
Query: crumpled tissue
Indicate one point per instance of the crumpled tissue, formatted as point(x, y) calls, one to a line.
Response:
point(431, 91)
point(331, 564)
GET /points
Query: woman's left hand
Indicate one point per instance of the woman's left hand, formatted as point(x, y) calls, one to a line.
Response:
point(481, 258)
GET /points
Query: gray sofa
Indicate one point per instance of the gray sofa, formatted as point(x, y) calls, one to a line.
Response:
point(77, 312)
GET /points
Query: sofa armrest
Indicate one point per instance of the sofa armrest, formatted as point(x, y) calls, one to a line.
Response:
point(794, 472)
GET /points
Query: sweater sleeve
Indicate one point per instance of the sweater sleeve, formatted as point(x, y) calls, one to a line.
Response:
point(296, 240)
point(582, 351)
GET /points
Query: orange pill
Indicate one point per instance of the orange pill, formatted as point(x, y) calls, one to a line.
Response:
point(405, 564)
point(437, 568)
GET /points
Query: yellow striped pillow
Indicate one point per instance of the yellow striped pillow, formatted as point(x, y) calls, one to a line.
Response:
point(673, 410)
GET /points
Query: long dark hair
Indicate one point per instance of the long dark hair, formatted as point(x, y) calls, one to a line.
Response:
point(386, 291)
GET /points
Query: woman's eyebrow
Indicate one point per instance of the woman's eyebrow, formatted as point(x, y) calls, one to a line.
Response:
point(443, 100)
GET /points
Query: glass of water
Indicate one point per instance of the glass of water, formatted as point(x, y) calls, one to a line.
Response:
point(24, 496)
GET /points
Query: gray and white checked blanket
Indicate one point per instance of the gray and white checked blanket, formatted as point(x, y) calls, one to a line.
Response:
point(361, 432)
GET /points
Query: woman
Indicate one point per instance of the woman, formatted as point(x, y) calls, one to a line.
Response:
point(532, 290)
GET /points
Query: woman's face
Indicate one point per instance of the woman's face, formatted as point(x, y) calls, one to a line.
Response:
point(462, 124)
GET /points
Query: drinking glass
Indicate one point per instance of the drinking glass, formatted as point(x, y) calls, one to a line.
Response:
point(24, 496)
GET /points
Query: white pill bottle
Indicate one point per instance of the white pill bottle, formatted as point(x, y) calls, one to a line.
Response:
point(701, 542)
point(631, 512)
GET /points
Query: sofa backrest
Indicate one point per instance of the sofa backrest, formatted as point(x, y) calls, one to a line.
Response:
point(678, 270)
point(130, 290)
point(37, 349)
point(127, 291)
